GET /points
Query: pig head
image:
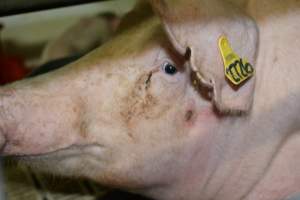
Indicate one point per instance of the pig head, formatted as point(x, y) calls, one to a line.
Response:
point(152, 112)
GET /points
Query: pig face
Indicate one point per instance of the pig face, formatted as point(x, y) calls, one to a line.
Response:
point(131, 114)
point(106, 117)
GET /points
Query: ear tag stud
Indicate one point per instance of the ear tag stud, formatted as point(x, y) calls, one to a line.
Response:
point(237, 69)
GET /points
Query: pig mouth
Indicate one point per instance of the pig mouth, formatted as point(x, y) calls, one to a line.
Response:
point(72, 151)
point(73, 161)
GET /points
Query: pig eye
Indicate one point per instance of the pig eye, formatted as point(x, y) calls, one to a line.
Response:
point(169, 68)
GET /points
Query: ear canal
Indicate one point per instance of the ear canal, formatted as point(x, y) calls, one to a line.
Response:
point(198, 25)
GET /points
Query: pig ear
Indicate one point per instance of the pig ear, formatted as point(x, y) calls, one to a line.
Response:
point(197, 26)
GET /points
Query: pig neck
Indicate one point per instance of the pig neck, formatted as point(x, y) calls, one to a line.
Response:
point(276, 111)
point(269, 167)
point(260, 159)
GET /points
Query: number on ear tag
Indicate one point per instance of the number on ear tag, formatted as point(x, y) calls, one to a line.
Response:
point(237, 69)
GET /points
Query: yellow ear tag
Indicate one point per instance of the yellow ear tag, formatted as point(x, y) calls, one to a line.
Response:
point(237, 69)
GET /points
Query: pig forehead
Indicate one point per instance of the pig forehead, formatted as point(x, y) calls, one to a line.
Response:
point(142, 44)
point(152, 53)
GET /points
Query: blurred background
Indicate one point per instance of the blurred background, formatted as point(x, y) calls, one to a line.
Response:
point(32, 39)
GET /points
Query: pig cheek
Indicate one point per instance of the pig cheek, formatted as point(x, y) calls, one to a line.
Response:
point(142, 113)
point(189, 117)
point(204, 120)
point(141, 104)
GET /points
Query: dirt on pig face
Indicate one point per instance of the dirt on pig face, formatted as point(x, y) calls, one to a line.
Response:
point(141, 103)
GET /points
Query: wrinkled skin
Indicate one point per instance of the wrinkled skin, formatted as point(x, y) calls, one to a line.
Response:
point(117, 117)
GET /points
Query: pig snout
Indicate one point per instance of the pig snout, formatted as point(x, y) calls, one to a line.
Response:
point(34, 123)
point(4, 95)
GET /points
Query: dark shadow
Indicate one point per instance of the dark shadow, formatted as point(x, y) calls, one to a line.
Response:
point(21, 179)
point(120, 195)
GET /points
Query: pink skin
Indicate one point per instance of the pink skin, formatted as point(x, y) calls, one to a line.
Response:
point(99, 117)
point(118, 118)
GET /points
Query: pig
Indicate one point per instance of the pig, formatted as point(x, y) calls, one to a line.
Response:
point(82, 37)
point(152, 111)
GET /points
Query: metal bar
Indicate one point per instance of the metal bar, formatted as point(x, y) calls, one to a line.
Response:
point(12, 7)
